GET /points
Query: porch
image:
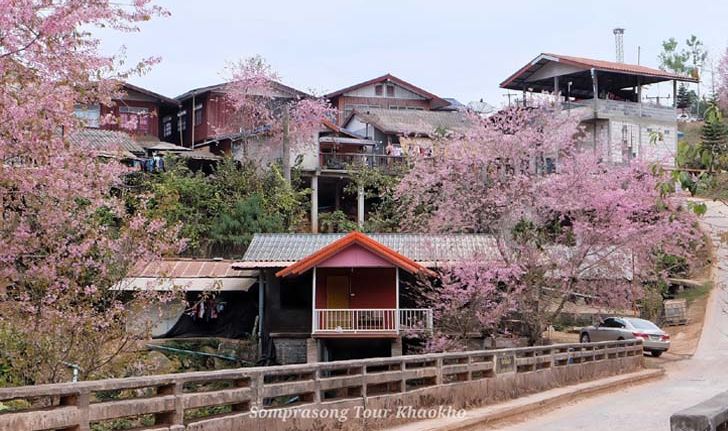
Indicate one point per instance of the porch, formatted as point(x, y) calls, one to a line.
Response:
point(355, 288)
point(368, 321)
point(358, 301)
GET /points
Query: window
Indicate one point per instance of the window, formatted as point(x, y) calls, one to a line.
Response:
point(612, 323)
point(90, 115)
point(182, 120)
point(390, 90)
point(135, 119)
point(167, 126)
point(198, 114)
point(379, 90)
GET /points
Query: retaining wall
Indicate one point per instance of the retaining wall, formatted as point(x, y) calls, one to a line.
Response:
point(369, 393)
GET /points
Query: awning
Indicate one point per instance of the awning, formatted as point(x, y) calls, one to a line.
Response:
point(189, 284)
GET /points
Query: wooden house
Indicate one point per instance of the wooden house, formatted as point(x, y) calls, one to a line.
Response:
point(343, 296)
point(204, 112)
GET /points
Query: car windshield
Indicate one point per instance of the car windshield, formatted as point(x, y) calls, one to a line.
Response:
point(642, 324)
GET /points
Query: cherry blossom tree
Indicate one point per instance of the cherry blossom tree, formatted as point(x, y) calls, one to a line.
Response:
point(66, 237)
point(587, 230)
point(722, 88)
point(284, 125)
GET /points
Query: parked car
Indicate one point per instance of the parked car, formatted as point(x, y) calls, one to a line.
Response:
point(654, 340)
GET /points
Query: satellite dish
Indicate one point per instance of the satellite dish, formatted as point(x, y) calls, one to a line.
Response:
point(481, 107)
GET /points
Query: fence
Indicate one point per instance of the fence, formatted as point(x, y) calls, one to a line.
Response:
point(236, 399)
point(347, 320)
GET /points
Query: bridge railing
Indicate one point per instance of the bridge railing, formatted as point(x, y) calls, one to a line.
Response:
point(176, 401)
point(710, 415)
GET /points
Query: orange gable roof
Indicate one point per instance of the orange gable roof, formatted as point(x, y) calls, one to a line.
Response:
point(362, 240)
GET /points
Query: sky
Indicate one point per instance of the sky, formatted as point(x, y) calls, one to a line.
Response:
point(452, 48)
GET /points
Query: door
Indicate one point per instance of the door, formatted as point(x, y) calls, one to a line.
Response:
point(337, 296)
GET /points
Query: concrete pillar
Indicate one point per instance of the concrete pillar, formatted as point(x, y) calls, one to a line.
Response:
point(337, 196)
point(360, 206)
point(397, 347)
point(312, 350)
point(314, 204)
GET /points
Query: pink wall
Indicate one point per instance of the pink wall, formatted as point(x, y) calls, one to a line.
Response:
point(355, 256)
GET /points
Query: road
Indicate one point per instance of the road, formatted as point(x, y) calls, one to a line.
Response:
point(687, 382)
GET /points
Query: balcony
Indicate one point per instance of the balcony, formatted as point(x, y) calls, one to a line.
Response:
point(346, 161)
point(616, 109)
point(374, 321)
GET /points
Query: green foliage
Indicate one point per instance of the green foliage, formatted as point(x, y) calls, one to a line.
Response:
point(218, 213)
point(379, 186)
point(671, 58)
point(336, 222)
point(684, 97)
point(234, 227)
point(714, 137)
point(693, 293)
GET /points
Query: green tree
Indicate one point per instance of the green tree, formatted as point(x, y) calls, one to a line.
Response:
point(714, 137)
point(233, 229)
point(671, 58)
point(684, 97)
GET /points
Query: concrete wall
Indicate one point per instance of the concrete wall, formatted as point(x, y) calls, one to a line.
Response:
point(455, 380)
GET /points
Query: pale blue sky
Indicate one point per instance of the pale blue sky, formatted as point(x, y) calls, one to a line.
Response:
point(452, 48)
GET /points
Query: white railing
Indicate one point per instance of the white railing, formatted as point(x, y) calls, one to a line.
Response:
point(350, 320)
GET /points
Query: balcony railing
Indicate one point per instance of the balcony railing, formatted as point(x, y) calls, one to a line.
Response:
point(367, 320)
point(344, 161)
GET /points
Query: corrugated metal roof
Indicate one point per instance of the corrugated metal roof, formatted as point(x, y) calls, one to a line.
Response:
point(395, 121)
point(107, 142)
point(283, 249)
point(188, 268)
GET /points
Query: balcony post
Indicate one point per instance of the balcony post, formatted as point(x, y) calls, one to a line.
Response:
point(360, 205)
point(397, 317)
point(314, 203)
point(314, 319)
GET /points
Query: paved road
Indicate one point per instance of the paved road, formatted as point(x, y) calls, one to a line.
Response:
point(688, 382)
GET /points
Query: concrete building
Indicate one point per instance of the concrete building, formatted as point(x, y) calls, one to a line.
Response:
point(609, 100)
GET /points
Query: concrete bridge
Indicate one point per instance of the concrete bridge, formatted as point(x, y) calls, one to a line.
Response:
point(346, 395)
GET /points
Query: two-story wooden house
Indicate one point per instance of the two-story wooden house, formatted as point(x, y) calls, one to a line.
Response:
point(381, 121)
point(609, 100)
point(138, 112)
point(204, 113)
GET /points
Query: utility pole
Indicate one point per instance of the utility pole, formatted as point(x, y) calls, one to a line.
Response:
point(509, 95)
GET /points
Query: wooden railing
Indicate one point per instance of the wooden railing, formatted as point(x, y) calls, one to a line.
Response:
point(233, 399)
point(344, 161)
point(371, 320)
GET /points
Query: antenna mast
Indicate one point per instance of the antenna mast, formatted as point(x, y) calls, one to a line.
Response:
point(619, 43)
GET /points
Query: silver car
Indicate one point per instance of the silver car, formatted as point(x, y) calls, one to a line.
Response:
point(654, 339)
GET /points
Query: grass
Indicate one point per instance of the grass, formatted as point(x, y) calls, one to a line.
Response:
point(691, 294)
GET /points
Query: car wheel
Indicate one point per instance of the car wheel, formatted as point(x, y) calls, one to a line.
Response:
point(655, 353)
point(585, 338)
point(620, 339)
